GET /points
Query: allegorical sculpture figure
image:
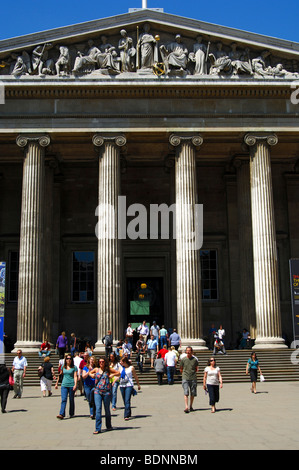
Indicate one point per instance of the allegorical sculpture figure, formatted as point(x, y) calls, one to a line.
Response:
point(22, 65)
point(41, 63)
point(199, 56)
point(63, 64)
point(146, 44)
point(240, 61)
point(87, 63)
point(221, 63)
point(127, 52)
point(107, 59)
point(174, 55)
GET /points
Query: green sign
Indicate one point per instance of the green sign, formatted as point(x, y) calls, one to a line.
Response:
point(139, 307)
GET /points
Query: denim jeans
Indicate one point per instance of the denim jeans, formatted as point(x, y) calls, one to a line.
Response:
point(126, 394)
point(99, 399)
point(65, 391)
point(170, 374)
point(46, 353)
point(88, 389)
point(114, 394)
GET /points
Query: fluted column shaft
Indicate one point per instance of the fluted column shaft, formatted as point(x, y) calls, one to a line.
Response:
point(29, 328)
point(266, 283)
point(109, 247)
point(246, 256)
point(189, 304)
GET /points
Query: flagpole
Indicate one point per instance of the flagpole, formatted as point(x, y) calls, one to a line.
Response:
point(144, 3)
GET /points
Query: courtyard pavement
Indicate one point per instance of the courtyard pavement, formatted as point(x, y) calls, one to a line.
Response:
point(243, 421)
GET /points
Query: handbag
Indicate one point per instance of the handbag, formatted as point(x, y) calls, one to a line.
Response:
point(11, 382)
point(40, 371)
point(262, 378)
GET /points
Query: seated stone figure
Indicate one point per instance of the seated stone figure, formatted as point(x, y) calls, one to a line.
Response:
point(175, 55)
point(108, 59)
point(221, 62)
point(89, 62)
point(241, 63)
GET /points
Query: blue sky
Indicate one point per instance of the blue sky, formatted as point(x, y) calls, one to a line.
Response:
point(275, 18)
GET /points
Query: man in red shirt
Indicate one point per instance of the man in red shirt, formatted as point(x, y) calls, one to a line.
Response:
point(163, 351)
point(45, 349)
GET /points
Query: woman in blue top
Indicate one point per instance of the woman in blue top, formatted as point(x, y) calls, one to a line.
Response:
point(68, 386)
point(89, 384)
point(253, 367)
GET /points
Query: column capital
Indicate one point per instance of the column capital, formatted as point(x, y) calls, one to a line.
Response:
point(175, 139)
point(252, 139)
point(24, 139)
point(99, 140)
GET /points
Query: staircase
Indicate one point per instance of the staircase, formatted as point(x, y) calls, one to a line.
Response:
point(276, 366)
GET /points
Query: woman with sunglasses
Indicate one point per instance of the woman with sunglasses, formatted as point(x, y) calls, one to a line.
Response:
point(68, 386)
point(102, 392)
point(211, 381)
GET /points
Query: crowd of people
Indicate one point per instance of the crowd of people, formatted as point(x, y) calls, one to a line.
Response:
point(99, 379)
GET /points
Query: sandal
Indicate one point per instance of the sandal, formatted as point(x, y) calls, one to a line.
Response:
point(96, 432)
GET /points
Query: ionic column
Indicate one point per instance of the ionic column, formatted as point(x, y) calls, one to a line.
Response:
point(189, 308)
point(109, 248)
point(29, 328)
point(245, 237)
point(267, 304)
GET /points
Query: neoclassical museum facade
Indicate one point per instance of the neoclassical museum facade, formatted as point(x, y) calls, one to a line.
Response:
point(134, 112)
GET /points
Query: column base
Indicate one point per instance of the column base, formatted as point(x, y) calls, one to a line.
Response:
point(27, 346)
point(269, 343)
point(196, 344)
point(99, 348)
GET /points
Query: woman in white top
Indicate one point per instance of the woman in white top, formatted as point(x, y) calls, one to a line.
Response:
point(211, 381)
point(126, 384)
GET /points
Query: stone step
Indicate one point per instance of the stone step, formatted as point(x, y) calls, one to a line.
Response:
point(276, 365)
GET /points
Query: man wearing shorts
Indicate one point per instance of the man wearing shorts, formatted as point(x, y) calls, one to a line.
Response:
point(189, 368)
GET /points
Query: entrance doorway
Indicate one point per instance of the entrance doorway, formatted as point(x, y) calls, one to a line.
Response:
point(145, 300)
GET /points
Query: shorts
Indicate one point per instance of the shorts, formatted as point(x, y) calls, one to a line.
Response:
point(151, 353)
point(189, 385)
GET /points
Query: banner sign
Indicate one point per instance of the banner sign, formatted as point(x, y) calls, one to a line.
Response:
point(139, 307)
point(2, 304)
point(294, 280)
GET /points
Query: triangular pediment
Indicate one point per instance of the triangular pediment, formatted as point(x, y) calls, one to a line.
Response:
point(171, 46)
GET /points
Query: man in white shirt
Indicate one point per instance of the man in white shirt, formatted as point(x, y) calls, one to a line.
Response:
point(19, 367)
point(143, 330)
point(170, 361)
point(155, 331)
point(221, 334)
point(129, 333)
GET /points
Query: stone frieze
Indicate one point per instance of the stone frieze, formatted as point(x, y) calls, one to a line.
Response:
point(145, 53)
